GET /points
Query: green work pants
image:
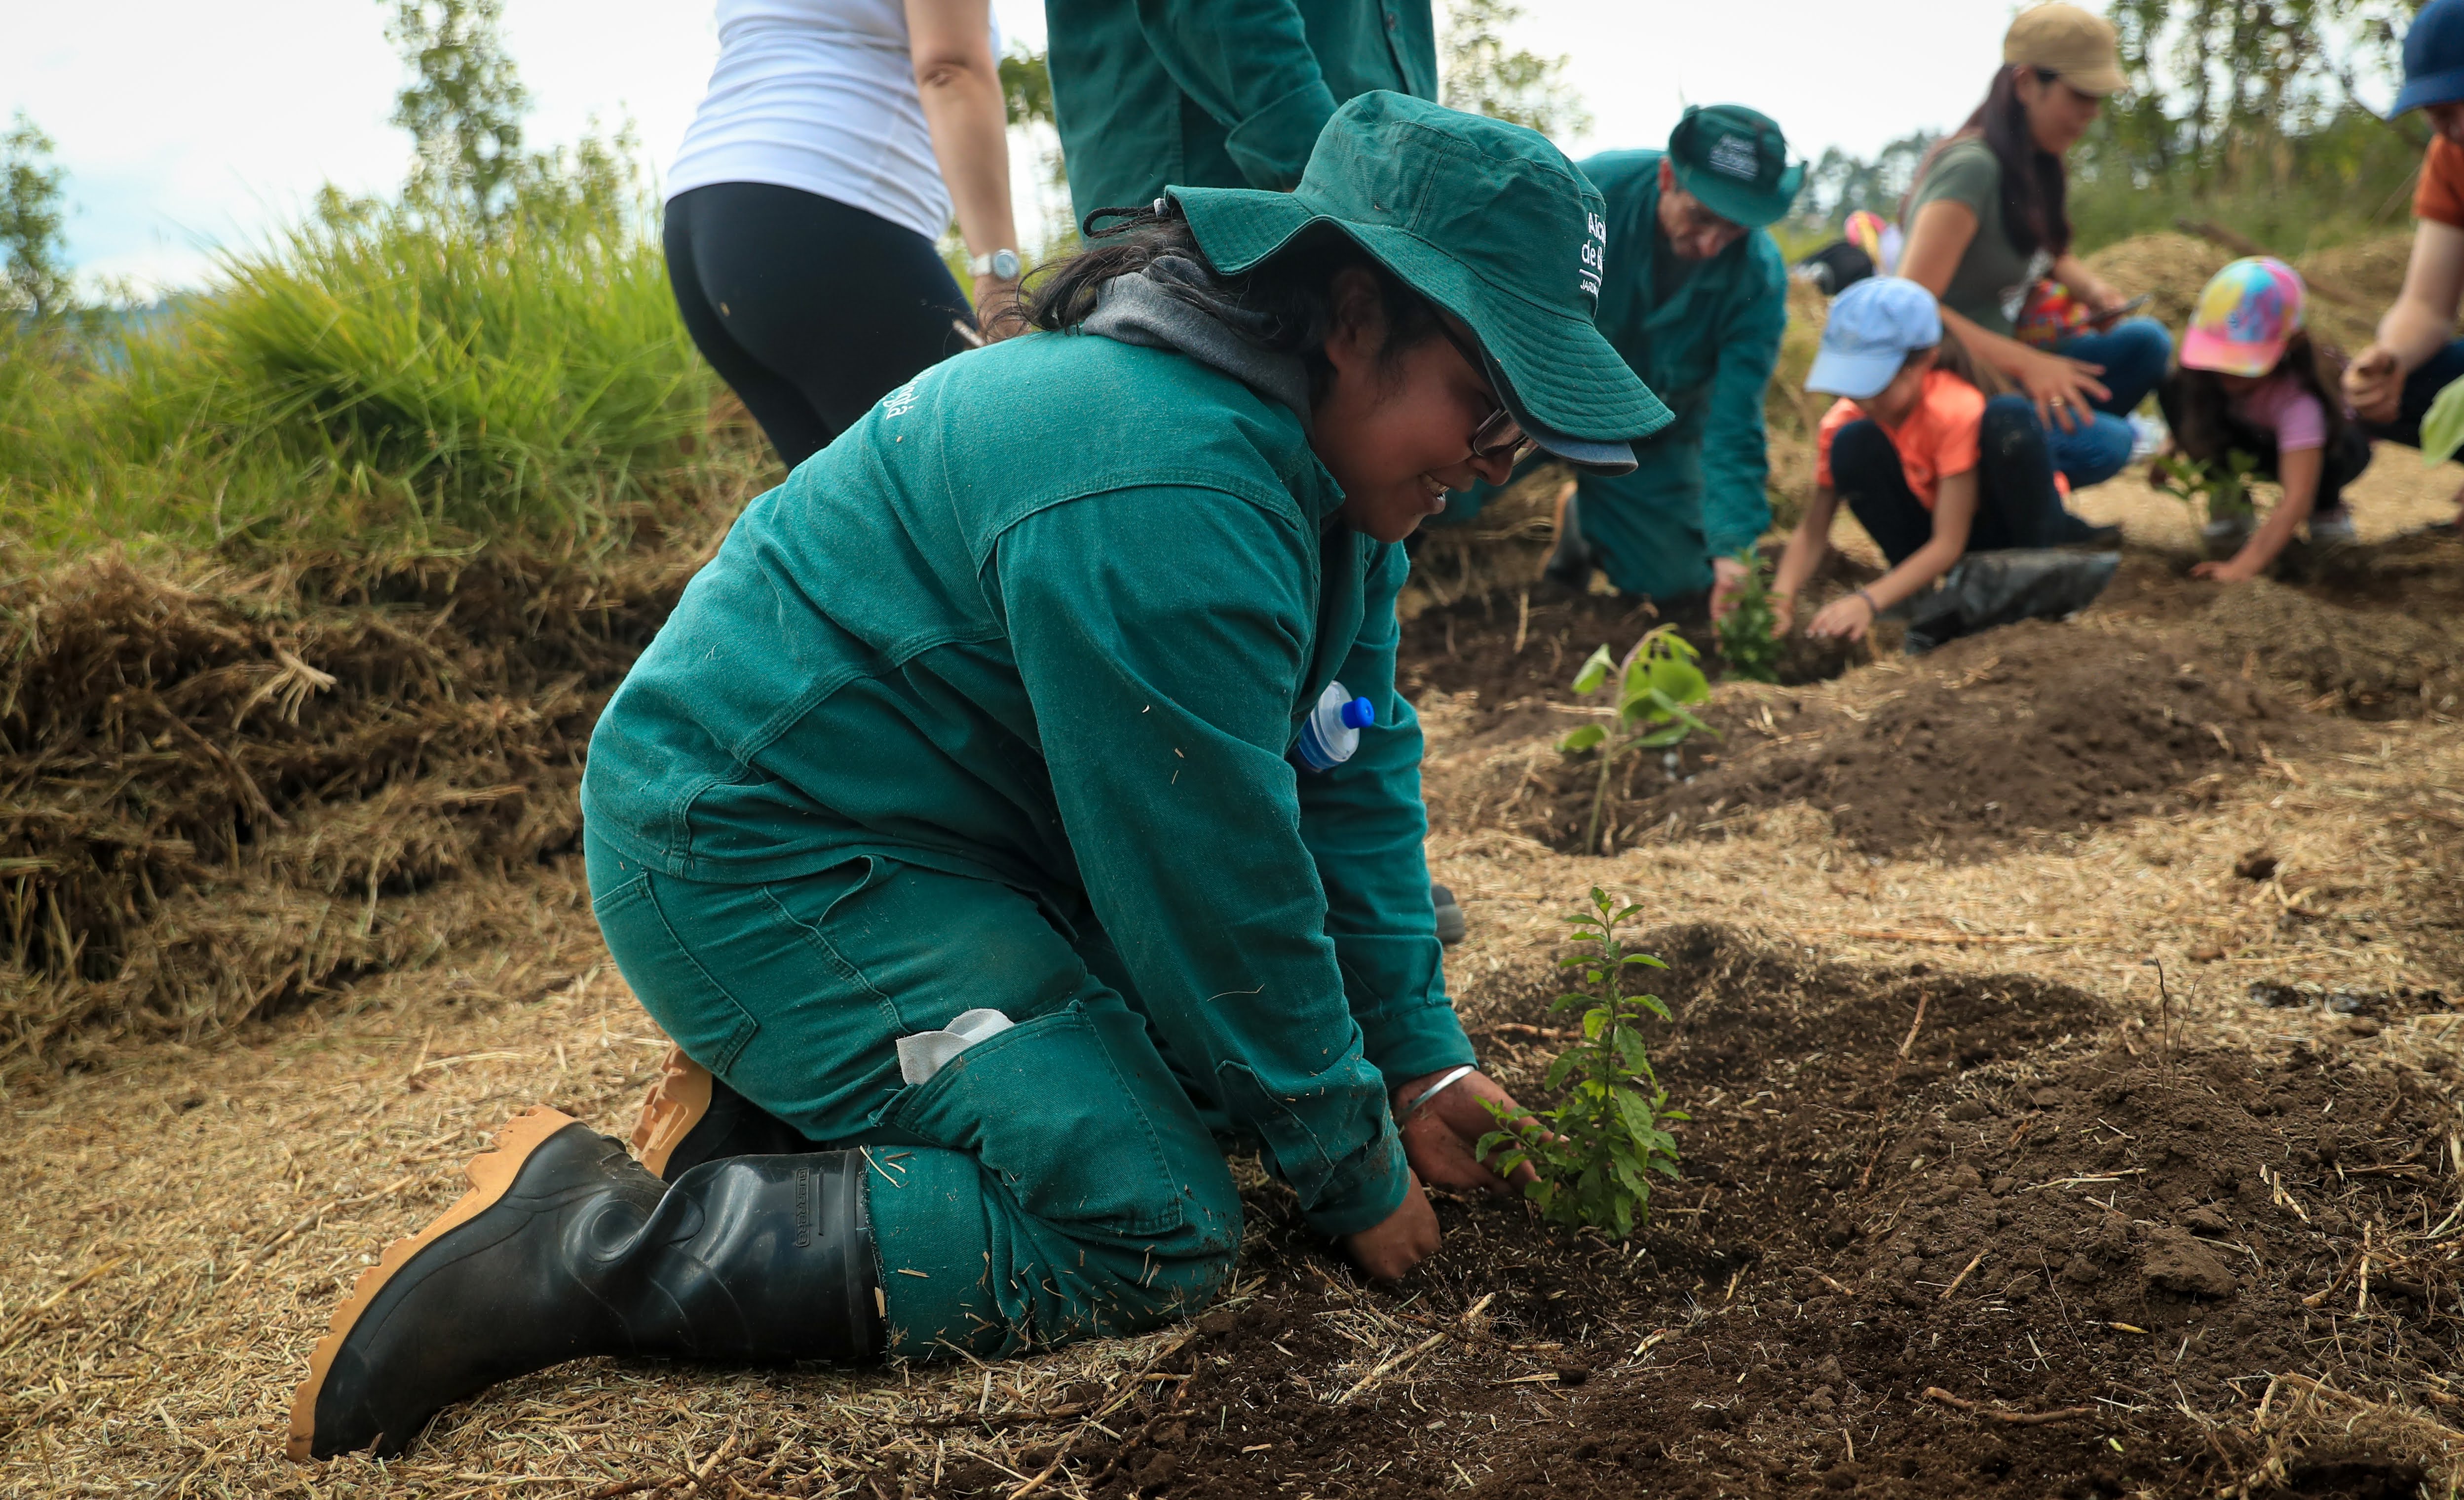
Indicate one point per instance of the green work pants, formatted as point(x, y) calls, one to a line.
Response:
point(1050, 1183)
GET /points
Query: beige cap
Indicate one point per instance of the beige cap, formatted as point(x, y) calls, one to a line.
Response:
point(2065, 39)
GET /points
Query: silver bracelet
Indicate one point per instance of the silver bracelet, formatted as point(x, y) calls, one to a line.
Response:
point(1434, 1089)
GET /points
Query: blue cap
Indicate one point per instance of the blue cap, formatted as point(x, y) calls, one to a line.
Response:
point(1359, 714)
point(1875, 325)
point(2433, 58)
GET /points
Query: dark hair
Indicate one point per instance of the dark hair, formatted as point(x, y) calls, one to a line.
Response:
point(1284, 304)
point(2203, 427)
point(2036, 184)
point(1952, 356)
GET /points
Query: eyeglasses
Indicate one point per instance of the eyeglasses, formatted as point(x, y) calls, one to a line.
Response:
point(1499, 437)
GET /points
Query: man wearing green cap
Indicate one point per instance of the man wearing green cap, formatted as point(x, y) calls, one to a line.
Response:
point(993, 887)
point(1695, 298)
point(1218, 92)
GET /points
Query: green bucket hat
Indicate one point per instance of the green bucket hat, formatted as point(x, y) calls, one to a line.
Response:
point(1488, 221)
point(1735, 160)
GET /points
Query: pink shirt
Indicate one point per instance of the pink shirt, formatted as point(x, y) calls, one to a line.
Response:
point(2282, 407)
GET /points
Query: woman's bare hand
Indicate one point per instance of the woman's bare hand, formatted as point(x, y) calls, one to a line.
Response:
point(2064, 389)
point(2374, 383)
point(1400, 1241)
point(1439, 1141)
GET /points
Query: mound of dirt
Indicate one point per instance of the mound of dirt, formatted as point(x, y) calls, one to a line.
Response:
point(1931, 1241)
point(2038, 728)
point(222, 793)
point(2386, 658)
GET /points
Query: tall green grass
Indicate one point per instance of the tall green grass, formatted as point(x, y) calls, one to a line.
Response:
point(376, 376)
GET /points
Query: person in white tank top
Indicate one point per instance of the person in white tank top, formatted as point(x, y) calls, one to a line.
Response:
point(835, 140)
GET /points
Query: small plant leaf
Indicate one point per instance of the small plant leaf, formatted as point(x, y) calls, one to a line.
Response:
point(1596, 669)
point(1584, 737)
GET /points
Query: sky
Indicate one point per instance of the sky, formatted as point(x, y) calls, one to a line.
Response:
point(184, 128)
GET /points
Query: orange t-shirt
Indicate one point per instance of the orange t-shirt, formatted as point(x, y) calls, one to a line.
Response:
point(2440, 197)
point(1938, 438)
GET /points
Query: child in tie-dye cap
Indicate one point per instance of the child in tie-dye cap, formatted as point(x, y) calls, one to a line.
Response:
point(2250, 382)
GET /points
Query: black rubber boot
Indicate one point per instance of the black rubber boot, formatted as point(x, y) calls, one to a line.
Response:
point(690, 1116)
point(565, 1248)
point(1450, 915)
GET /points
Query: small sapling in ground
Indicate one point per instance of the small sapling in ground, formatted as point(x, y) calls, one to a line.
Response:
point(1749, 645)
point(1595, 1152)
point(1651, 689)
point(2221, 490)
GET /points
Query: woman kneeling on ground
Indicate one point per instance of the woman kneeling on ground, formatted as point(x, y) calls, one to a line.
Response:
point(1931, 468)
point(953, 829)
point(1988, 222)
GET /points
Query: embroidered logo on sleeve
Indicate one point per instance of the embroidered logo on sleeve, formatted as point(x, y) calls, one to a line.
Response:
point(1596, 255)
point(900, 402)
point(1735, 156)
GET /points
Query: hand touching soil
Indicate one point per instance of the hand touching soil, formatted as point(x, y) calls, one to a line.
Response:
point(1438, 1141)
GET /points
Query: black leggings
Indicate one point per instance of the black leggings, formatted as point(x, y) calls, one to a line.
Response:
point(2016, 503)
point(811, 310)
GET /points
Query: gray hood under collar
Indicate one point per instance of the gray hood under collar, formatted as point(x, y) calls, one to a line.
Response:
point(1160, 308)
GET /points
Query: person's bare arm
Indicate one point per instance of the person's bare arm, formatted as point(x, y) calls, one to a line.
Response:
point(1807, 547)
point(1954, 512)
point(2085, 284)
point(950, 43)
point(2299, 471)
point(2416, 327)
point(2059, 386)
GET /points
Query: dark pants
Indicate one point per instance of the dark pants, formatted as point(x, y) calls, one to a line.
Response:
point(2344, 459)
point(809, 309)
point(2421, 387)
point(2016, 503)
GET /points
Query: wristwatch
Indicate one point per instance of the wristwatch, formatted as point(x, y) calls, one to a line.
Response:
point(1001, 263)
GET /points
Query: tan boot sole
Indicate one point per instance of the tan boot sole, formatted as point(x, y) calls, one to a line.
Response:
point(489, 1176)
point(675, 1105)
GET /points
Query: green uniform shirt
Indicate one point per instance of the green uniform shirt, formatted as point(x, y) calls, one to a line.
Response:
point(1218, 92)
point(1051, 615)
point(1705, 347)
point(1991, 286)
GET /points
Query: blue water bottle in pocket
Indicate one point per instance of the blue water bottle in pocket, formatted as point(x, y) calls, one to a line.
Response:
point(1332, 733)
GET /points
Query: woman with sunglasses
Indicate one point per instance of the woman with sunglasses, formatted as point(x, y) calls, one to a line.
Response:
point(1987, 224)
point(992, 889)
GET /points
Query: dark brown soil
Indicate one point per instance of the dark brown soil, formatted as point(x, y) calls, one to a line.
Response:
point(2038, 728)
point(1514, 647)
point(2032, 1256)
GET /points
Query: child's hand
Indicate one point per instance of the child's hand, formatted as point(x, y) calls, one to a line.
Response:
point(2233, 571)
point(1850, 617)
point(1783, 608)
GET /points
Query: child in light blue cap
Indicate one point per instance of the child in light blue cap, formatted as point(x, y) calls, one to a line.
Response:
point(1932, 467)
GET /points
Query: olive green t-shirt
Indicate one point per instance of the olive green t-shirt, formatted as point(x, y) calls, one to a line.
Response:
point(1991, 286)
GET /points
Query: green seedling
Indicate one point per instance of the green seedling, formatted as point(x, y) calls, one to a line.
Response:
point(1650, 690)
point(1594, 1152)
point(2220, 489)
point(1749, 644)
point(2442, 425)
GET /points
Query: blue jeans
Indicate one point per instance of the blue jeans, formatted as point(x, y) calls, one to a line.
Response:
point(2134, 354)
point(2420, 387)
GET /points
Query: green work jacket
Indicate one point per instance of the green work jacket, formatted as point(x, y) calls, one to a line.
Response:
point(1699, 486)
point(1052, 614)
point(1218, 92)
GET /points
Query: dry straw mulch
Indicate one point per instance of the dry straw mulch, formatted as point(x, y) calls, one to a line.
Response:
point(227, 794)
